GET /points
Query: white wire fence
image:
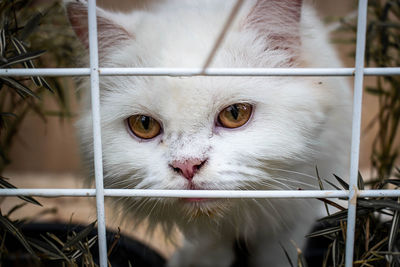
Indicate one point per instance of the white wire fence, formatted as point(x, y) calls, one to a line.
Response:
point(99, 193)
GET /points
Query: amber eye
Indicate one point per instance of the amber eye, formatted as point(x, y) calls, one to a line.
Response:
point(235, 115)
point(143, 126)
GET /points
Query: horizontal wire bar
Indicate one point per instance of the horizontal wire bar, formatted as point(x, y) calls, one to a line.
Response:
point(187, 72)
point(46, 72)
point(229, 72)
point(57, 192)
point(381, 71)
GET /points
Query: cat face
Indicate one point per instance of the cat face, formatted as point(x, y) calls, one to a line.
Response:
point(175, 133)
point(187, 112)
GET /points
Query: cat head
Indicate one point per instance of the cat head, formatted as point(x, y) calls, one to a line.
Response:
point(219, 133)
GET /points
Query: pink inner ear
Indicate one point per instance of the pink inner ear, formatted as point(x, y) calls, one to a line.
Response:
point(276, 11)
point(109, 33)
point(277, 21)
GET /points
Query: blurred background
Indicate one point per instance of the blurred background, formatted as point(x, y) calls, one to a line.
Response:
point(45, 153)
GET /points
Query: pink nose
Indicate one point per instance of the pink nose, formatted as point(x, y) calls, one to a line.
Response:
point(188, 168)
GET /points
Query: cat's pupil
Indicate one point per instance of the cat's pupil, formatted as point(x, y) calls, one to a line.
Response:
point(145, 122)
point(234, 111)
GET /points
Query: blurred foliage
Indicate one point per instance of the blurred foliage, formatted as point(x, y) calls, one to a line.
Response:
point(46, 249)
point(377, 235)
point(35, 35)
point(382, 50)
point(31, 35)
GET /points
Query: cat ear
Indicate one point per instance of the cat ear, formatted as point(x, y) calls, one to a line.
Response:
point(108, 31)
point(277, 22)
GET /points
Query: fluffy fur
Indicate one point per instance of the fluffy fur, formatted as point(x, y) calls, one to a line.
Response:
point(298, 123)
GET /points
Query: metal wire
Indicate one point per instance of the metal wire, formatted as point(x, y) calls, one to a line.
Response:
point(94, 72)
point(180, 72)
point(98, 158)
point(356, 129)
point(57, 192)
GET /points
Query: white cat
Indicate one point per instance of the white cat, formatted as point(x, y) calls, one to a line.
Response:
point(218, 133)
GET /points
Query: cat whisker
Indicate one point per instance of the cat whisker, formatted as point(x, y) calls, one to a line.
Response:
point(268, 184)
point(286, 183)
point(305, 175)
point(155, 203)
point(272, 181)
point(292, 172)
point(297, 182)
point(249, 180)
point(271, 211)
point(277, 214)
point(138, 204)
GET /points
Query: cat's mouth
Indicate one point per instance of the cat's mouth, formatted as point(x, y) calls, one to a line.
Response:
point(196, 200)
point(192, 186)
point(210, 208)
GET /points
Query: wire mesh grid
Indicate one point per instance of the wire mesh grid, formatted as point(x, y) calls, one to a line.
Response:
point(99, 193)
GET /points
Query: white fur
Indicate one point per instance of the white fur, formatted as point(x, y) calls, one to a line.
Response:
point(298, 123)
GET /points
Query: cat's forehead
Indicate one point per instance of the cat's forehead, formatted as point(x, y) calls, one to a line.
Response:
point(182, 91)
point(185, 36)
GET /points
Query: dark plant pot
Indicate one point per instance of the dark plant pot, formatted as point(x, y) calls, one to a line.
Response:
point(125, 250)
point(313, 252)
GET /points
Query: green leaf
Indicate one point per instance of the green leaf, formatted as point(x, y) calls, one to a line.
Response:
point(81, 235)
point(395, 182)
point(342, 182)
point(394, 230)
point(6, 160)
point(287, 255)
point(331, 203)
point(379, 204)
point(360, 181)
point(21, 58)
point(342, 215)
point(31, 25)
point(18, 46)
point(7, 114)
point(45, 248)
point(29, 63)
point(2, 42)
point(21, 89)
point(54, 246)
point(301, 262)
point(5, 184)
point(45, 84)
point(333, 185)
point(55, 238)
point(9, 226)
point(321, 187)
point(374, 91)
point(326, 231)
point(15, 208)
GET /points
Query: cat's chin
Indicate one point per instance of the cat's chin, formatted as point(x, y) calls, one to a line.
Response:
point(197, 200)
point(201, 200)
point(204, 207)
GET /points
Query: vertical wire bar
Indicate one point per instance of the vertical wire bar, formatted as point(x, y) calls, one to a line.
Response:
point(356, 129)
point(98, 161)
